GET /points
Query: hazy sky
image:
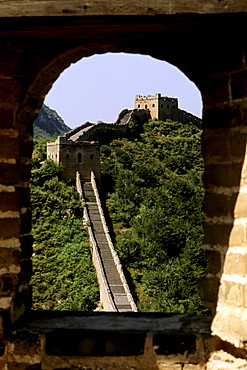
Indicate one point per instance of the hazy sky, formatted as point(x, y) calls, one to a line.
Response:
point(97, 88)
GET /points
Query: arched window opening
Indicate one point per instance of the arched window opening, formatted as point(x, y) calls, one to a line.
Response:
point(147, 213)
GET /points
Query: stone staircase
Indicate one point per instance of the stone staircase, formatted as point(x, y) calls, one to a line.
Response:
point(116, 287)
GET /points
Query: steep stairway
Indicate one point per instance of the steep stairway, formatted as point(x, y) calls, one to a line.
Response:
point(117, 290)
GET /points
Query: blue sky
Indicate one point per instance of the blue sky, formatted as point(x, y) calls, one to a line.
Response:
point(97, 88)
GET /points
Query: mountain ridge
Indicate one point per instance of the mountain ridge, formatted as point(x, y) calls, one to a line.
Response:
point(49, 124)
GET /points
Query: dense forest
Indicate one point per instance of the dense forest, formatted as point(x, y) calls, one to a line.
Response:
point(154, 194)
point(64, 276)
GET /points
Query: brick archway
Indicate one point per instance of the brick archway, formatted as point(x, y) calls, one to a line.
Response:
point(34, 53)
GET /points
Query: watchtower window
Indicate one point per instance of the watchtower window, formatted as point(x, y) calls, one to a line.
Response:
point(161, 105)
point(139, 105)
point(146, 107)
point(168, 106)
point(153, 105)
point(79, 158)
point(91, 156)
point(67, 156)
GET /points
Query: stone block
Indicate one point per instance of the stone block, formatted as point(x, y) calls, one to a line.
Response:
point(237, 236)
point(10, 91)
point(226, 175)
point(9, 256)
point(209, 287)
point(94, 343)
point(8, 282)
point(214, 262)
point(239, 85)
point(21, 340)
point(240, 209)
point(169, 367)
point(9, 201)
point(10, 228)
point(174, 343)
point(9, 147)
point(217, 205)
point(222, 117)
point(235, 264)
point(217, 234)
point(216, 90)
point(237, 144)
point(215, 146)
point(10, 174)
point(231, 293)
point(6, 118)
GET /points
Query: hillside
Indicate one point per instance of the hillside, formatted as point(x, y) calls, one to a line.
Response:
point(154, 195)
point(64, 277)
point(49, 124)
point(153, 192)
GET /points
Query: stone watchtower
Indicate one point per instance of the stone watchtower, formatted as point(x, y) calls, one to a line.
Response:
point(160, 107)
point(76, 155)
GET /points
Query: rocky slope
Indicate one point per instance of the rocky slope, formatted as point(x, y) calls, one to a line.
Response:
point(48, 124)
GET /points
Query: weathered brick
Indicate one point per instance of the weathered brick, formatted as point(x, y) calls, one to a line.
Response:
point(239, 85)
point(9, 256)
point(8, 282)
point(235, 263)
point(217, 233)
point(231, 293)
point(214, 262)
point(216, 205)
point(237, 144)
point(209, 287)
point(6, 118)
point(237, 236)
point(240, 209)
point(10, 174)
point(9, 147)
point(216, 90)
point(10, 91)
point(226, 175)
point(222, 117)
point(10, 227)
point(215, 146)
point(24, 339)
point(9, 201)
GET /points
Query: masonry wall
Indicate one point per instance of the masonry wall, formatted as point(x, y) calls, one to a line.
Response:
point(32, 54)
